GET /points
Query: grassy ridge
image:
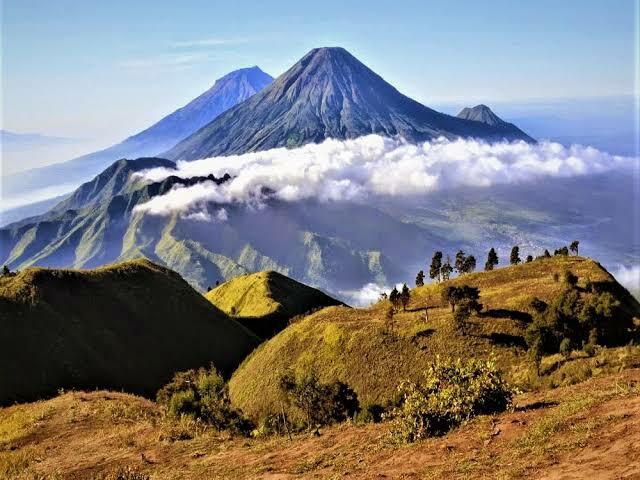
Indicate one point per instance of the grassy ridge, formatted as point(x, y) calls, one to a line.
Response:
point(265, 301)
point(126, 326)
point(359, 347)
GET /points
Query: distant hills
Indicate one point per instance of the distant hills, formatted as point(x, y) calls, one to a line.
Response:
point(126, 326)
point(328, 94)
point(264, 302)
point(226, 92)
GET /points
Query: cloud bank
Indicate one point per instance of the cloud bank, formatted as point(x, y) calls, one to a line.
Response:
point(630, 278)
point(338, 170)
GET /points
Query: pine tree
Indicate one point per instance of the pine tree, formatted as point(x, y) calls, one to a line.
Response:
point(574, 246)
point(515, 256)
point(6, 271)
point(546, 253)
point(529, 258)
point(492, 260)
point(469, 264)
point(405, 295)
point(436, 265)
point(460, 262)
point(446, 269)
point(420, 279)
point(394, 297)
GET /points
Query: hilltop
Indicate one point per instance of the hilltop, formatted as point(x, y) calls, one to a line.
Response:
point(127, 326)
point(372, 355)
point(328, 93)
point(264, 302)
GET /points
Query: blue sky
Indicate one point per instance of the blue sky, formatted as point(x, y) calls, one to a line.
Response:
point(105, 70)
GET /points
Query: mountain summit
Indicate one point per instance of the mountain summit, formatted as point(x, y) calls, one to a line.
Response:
point(327, 94)
point(225, 93)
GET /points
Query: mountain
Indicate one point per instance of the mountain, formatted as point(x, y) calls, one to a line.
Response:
point(332, 246)
point(327, 94)
point(361, 348)
point(126, 326)
point(264, 302)
point(226, 92)
point(483, 114)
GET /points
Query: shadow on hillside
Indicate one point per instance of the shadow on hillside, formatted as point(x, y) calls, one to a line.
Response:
point(535, 406)
point(506, 340)
point(505, 313)
point(419, 339)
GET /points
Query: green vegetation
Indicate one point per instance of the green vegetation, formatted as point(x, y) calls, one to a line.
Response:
point(203, 395)
point(126, 326)
point(375, 349)
point(450, 393)
point(318, 403)
point(264, 302)
point(492, 260)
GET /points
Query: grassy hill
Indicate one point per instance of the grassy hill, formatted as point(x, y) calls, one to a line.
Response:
point(127, 326)
point(265, 301)
point(361, 348)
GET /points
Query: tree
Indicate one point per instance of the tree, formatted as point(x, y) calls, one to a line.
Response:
point(460, 262)
point(470, 264)
point(405, 295)
point(574, 246)
point(546, 253)
point(464, 296)
point(6, 271)
point(529, 258)
point(420, 279)
point(514, 259)
point(436, 265)
point(492, 260)
point(451, 295)
point(564, 251)
point(446, 269)
point(384, 296)
point(394, 298)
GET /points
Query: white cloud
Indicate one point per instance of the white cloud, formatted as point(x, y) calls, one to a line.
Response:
point(172, 60)
point(629, 277)
point(367, 295)
point(375, 166)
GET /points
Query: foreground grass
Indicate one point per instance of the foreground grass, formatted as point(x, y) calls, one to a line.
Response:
point(578, 428)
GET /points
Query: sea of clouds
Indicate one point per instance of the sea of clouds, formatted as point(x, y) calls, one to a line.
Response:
point(337, 170)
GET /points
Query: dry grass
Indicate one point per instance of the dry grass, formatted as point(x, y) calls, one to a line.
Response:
point(591, 426)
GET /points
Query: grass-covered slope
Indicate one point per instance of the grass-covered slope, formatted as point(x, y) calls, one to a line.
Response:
point(126, 326)
point(265, 301)
point(359, 347)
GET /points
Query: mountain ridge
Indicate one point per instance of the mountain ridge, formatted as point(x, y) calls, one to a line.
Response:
point(328, 93)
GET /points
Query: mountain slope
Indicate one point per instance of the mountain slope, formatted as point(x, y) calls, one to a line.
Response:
point(483, 114)
point(126, 326)
point(332, 246)
point(360, 347)
point(327, 94)
point(227, 92)
point(265, 301)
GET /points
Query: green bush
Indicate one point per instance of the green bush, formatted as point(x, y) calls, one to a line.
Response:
point(203, 395)
point(451, 393)
point(370, 413)
point(320, 403)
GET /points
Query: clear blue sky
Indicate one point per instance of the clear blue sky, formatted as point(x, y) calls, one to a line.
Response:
point(105, 69)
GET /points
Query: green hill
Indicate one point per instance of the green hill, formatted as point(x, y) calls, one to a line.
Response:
point(361, 348)
point(127, 326)
point(264, 302)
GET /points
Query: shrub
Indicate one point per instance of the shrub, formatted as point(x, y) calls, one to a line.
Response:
point(320, 403)
point(370, 413)
point(570, 278)
point(451, 393)
point(565, 348)
point(203, 395)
